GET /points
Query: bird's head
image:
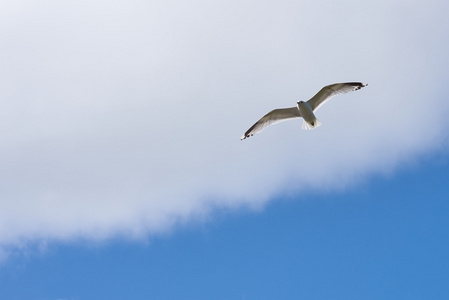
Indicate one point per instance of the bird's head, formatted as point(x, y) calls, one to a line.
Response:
point(300, 102)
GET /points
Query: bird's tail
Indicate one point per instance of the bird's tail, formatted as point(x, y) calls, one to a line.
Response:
point(309, 126)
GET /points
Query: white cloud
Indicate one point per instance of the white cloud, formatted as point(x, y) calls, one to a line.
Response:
point(125, 117)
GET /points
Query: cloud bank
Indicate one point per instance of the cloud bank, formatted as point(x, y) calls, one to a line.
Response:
point(124, 118)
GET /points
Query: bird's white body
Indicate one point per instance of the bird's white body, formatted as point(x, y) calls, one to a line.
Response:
point(303, 109)
point(306, 112)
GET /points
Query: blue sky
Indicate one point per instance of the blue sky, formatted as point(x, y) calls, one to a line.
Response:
point(387, 238)
point(122, 169)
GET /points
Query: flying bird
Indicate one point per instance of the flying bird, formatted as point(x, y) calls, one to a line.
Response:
point(304, 109)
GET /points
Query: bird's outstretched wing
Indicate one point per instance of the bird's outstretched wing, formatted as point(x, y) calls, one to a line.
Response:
point(332, 90)
point(273, 117)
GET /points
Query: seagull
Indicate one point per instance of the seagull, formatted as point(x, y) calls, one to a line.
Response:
point(304, 109)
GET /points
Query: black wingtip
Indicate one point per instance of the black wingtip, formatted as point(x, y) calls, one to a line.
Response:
point(359, 85)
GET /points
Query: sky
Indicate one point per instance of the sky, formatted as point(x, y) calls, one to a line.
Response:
point(122, 173)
